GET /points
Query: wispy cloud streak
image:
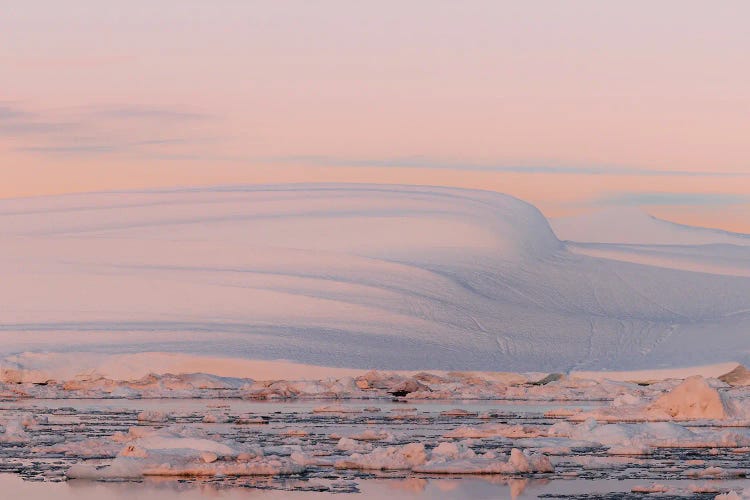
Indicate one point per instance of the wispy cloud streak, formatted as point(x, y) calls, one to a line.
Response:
point(92, 131)
point(673, 199)
point(422, 162)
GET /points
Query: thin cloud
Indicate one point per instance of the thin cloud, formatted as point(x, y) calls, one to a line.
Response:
point(67, 149)
point(136, 112)
point(16, 121)
point(24, 127)
point(94, 148)
point(421, 162)
point(673, 199)
point(90, 131)
point(9, 112)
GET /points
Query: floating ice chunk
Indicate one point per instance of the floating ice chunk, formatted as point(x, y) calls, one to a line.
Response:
point(14, 430)
point(653, 434)
point(561, 412)
point(739, 377)
point(458, 412)
point(731, 495)
point(552, 377)
point(133, 433)
point(152, 416)
point(652, 488)
point(213, 418)
point(295, 433)
point(175, 452)
point(132, 468)
point(391, 458)
point(119, 469)
point(14, 434)
point(133, 451)
point(336, 409)
point(630, 450)
point(692, 399)
point(695, 398)
point(262, 466)
point(627, 400)
point(158, 442)
point(562, 429)
point(519, 462)
point(347, 444)
point(452, 451)
point(704, 488)
point(371, 435)
point(251, 420)
point(555, 446)
point(93, 447)
point(446, 458)
point(492, 430)
point(627, 438)
point(707, 472)
point(286, 389)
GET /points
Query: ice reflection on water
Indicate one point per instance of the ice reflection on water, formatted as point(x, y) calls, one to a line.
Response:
point(393, 489)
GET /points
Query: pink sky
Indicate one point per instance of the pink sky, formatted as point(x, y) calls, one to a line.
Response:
point(569, 105)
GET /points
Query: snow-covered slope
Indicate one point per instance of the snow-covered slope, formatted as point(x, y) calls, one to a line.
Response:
point(633, 226)
point(362, 276)
point(632, 235)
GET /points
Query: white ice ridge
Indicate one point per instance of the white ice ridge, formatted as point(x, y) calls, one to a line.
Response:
point(355, 276)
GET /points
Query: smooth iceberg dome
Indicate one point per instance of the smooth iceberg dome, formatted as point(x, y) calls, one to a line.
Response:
point(359, 276)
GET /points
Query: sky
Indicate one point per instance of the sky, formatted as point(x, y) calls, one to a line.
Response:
point(573, 106)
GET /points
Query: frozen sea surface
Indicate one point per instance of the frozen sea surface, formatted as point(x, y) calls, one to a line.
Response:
point(66, 432)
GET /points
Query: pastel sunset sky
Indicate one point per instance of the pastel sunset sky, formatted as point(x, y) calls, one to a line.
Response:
point(573, 106)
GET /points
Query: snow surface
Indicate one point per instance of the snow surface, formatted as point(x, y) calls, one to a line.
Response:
point(633, 226)
point(357, 276)
point(631, 235)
